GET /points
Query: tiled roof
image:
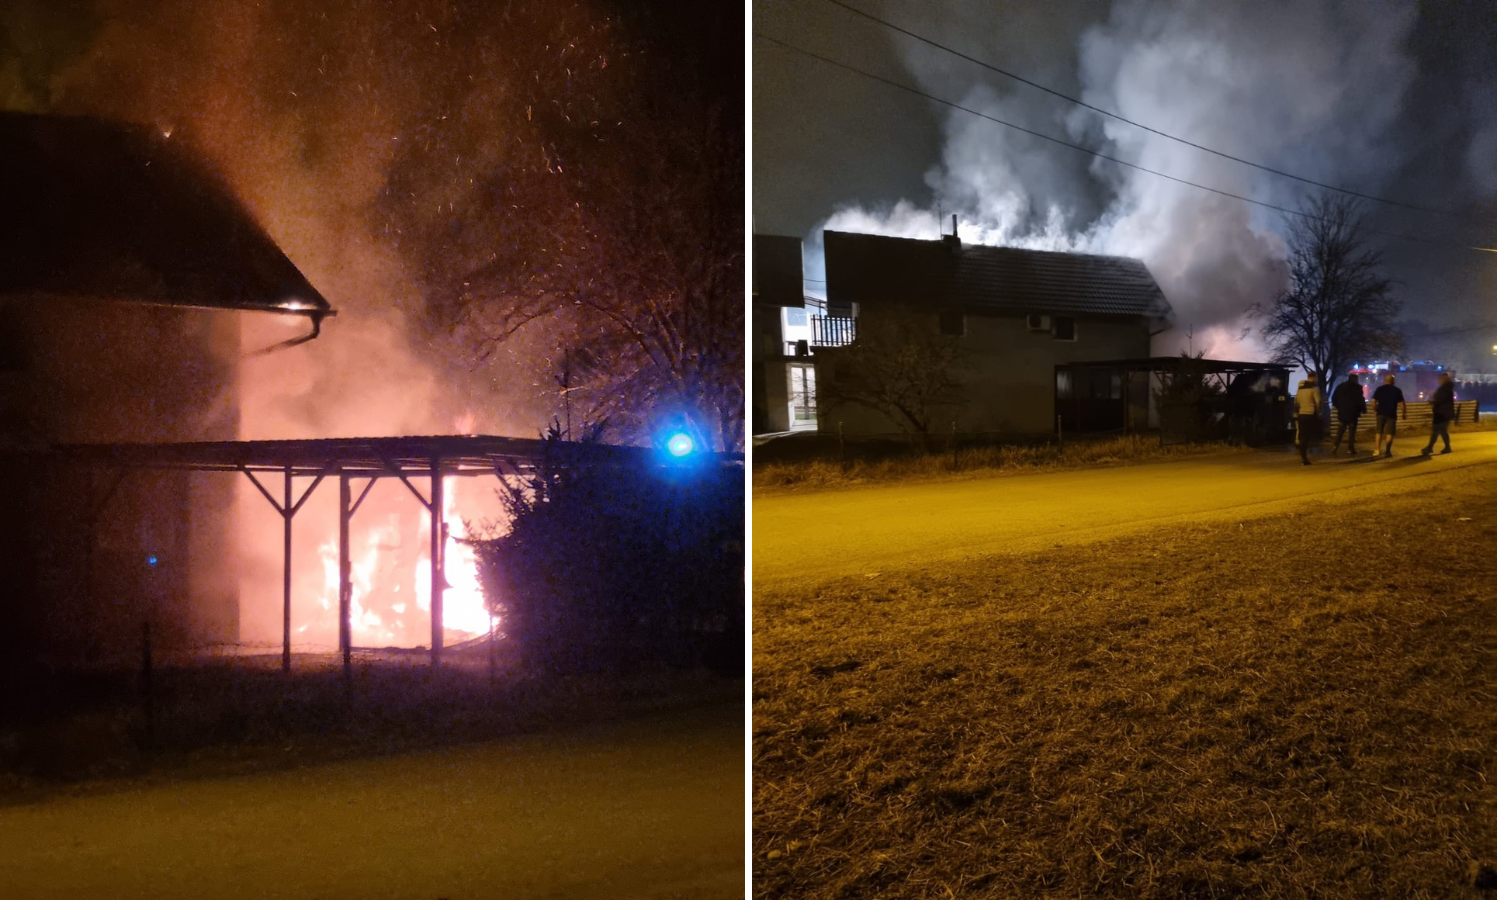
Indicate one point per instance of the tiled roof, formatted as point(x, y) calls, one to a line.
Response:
point(1004, 280)
point(102, 209)
point(776, 270)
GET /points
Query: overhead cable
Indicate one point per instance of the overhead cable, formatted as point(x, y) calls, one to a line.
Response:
point(1104, 156)
point(1116, 116)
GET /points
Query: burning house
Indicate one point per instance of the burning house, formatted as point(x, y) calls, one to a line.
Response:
point(122, 265)
point(1011, 318)
point(138, 495)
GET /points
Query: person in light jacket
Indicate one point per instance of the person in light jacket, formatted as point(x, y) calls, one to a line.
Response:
point(1309, 405)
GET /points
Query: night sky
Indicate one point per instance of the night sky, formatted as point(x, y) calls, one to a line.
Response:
point(1392, 100)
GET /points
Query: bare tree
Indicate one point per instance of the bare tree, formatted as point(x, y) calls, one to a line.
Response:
point(592, 217)
point(901, 366)
point(1338, 306)
point(638, 263)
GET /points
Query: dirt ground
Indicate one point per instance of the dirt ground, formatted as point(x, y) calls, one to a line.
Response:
point(651, 808)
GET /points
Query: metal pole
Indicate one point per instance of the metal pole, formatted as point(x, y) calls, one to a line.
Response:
point(438, 581)
point(286, 576)
point(346, 585)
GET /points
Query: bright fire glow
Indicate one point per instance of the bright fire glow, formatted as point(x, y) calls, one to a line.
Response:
point(390, 570)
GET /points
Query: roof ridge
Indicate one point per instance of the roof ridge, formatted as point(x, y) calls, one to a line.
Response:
point(1005, 247)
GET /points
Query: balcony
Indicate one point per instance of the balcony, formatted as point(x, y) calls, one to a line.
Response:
point(831, 331)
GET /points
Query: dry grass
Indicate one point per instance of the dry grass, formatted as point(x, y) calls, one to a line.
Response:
point(971, 462)
point(1301, 706)
point(990, 460)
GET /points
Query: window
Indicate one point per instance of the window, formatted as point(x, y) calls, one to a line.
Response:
point(796, 317)
point(951, 323)
point(1063, 329)
point(1038, 323)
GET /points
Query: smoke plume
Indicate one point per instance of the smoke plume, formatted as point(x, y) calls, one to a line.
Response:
point(1314, 88)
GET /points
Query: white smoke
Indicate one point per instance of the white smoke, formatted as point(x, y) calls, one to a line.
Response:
point(1313, 88)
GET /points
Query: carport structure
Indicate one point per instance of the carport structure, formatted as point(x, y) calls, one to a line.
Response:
point(356, 463)
point(1118, 394)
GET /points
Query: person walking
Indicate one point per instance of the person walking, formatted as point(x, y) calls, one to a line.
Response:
point(1442, 414)
point(1309, 404)
point(1388, 398)
point(1349, 403)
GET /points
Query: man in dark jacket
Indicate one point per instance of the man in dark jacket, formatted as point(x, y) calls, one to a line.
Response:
point(1442, 414)
point(1388, 398)
point(1349, 404)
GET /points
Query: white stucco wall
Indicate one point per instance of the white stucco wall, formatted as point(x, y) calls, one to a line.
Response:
point(1008, 374)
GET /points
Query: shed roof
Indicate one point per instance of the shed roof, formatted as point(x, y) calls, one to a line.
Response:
point(1178, 363)
point(1002, 280)
point(463, 454)
point(108, 210)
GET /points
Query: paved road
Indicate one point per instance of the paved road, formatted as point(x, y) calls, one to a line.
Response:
point(811, 537)
point(650, 809)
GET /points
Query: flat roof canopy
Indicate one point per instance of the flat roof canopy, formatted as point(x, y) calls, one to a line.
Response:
point(361, 457)
point(1173, 363)
point(347, 459)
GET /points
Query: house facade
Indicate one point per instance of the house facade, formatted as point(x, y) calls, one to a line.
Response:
point(787, 327)
point(1009, 318)
point(117, 271)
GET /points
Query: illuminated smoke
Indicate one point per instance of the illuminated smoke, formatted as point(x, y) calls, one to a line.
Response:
point(1264, 82)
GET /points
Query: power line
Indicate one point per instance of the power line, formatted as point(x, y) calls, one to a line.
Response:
point(1095, 153)
point(1155, 131)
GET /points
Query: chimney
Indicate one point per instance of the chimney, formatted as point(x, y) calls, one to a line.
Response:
point(951, 240)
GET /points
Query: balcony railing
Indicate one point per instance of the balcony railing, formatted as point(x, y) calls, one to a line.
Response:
point(831, 331)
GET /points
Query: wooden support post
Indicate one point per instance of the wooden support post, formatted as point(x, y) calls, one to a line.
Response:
point(148, 701)
point(346, 581)
point(286, 576)
point(491, 649)
point(435, 507)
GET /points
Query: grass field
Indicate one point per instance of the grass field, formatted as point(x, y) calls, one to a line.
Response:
point(816, 473)
point(1297, 706)
point(983, 461)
